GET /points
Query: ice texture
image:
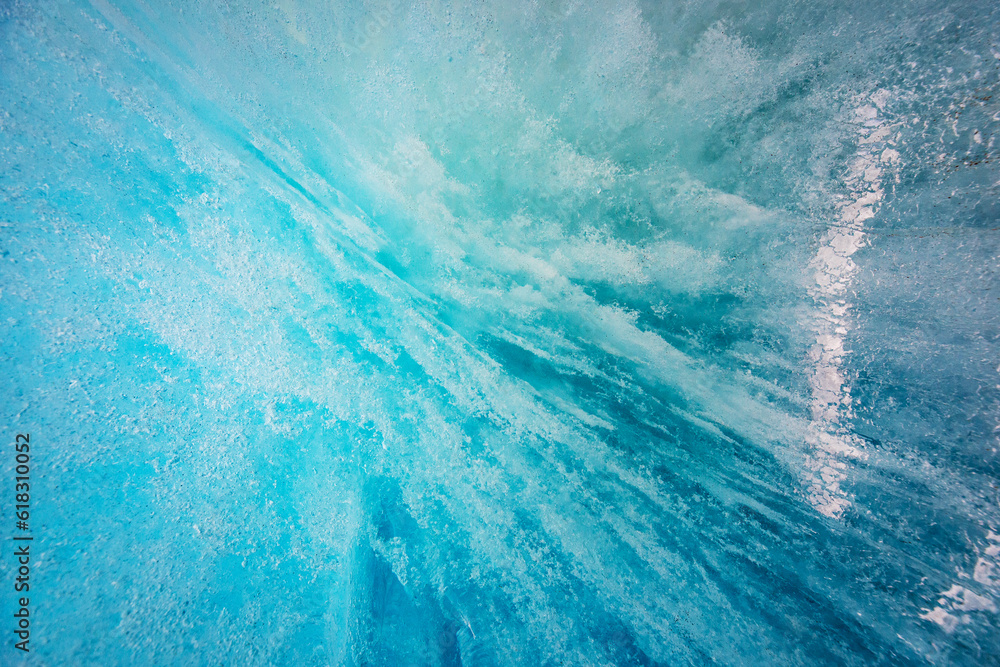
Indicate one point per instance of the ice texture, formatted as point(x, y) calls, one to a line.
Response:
point(503, 333)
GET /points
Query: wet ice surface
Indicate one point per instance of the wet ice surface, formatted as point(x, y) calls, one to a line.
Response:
point(560, 333)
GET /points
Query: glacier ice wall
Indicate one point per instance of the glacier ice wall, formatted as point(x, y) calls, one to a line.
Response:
point(537, 333)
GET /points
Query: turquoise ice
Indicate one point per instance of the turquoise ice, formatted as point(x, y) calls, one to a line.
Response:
point(502, 333)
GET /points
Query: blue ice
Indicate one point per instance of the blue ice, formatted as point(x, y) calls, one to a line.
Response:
point(416, 332)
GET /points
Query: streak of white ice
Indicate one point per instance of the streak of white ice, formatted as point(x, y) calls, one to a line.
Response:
point(834, 270)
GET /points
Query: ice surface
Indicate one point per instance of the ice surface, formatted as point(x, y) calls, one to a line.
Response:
point(551, 333)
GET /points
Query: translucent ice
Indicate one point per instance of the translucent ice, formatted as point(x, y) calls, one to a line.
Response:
point(508, 333)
